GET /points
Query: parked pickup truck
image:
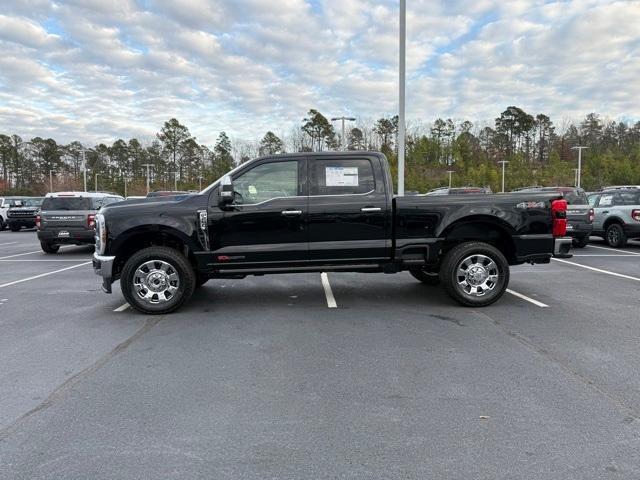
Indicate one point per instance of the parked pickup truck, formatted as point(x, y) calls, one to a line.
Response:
point(314, 212)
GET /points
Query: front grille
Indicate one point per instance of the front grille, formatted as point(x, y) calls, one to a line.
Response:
point(21, 214)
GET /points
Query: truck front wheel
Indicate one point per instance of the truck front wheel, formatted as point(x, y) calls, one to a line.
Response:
point(475, 274)
point(157, 280)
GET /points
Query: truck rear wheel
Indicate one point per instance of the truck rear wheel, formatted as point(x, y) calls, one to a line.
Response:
point(474, 274)
point(157, 280)
point(615, 236)
point(15, 228)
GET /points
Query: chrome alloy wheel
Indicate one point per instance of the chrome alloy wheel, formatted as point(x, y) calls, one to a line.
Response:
point(477, 275)
point(156, 281)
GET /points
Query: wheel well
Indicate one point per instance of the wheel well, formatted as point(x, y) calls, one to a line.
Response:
point(479, 231)
point(138, 241)
point(609, 221)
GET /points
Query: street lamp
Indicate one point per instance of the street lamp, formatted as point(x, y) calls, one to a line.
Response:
point(343, 119)
point(200, 178)
point(84, 168)
point(579, 174)
point(575, 177)
point(401, 126)
point(51, 172)
point(175, 181)
point(148, 165)
point(96, 177)
point(450, 172)
point(504, 164)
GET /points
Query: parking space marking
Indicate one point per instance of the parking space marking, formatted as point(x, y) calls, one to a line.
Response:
point(528, 299)
point(21, 254)
point(598, 270)
point(331, 301)
point(54, 260)
point(122, 308)
point(9, 243)
point(43, 275)
point(601, 255)
point(614, 249)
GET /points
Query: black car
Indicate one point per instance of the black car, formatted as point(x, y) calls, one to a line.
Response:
point(23, 214)
point(318, 212)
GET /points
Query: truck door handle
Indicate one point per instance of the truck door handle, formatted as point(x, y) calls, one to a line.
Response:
point(605, 212)
point(370, 209)
point(291, 213)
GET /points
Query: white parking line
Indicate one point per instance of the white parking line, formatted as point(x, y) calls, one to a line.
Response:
point(528, 299)
point(614, 249)
point(122, 308)
point(598, 270)
point(62, 260)
point(331, 301)
point(21, 254)
point(601, 255)
point(8, 243)
point(43, 275)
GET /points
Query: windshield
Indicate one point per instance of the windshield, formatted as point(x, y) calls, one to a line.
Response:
point(32, 202)
point(70, 203)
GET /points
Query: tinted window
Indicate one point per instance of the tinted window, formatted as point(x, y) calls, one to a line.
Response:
point(341, 177)
point(267, 181)
point(626, 198)
point(32, 202)
point(593, 199)
point(67, 203)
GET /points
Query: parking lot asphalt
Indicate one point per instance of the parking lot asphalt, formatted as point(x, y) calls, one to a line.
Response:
point(357, 376)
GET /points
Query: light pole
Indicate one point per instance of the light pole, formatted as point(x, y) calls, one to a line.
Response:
point(51, 172)
point(148, 165)
point(575, 177)
point(450, 172)
point(175, 181)
point(401, 126)
point(504, 164)
point(579, 174)
point(96, 178)
point(200, 178)
point(343, 144)
point(84, 168)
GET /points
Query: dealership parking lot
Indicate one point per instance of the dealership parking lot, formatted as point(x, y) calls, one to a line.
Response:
point(320, 376)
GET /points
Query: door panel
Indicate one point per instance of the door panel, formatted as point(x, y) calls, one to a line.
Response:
point(348, 217)
point(267, 223)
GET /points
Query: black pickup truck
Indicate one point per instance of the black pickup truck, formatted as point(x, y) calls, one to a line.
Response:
point(314, 212)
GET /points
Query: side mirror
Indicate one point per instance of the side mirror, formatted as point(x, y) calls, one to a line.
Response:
point(226, 191)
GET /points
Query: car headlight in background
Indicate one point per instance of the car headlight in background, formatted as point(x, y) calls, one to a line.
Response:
point(101, 234)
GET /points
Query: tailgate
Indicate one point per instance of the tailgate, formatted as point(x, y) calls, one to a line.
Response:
point(64, 219)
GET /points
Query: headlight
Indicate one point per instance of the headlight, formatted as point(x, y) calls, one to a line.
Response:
point(101, 234)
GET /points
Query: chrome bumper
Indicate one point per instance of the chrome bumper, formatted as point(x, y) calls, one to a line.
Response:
point(103, 266)
point(562, 247)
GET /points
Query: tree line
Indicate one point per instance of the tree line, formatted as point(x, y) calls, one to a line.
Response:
point(539, 152)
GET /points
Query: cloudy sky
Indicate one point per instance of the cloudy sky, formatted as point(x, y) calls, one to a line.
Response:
point(96, 70)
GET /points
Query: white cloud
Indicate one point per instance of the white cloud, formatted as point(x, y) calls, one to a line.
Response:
point(98, 70)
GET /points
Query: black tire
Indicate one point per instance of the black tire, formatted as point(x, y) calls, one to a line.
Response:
point(134, 286)
point(614, 236)
point(426, 277)
point(15, 228)
point(581, 242)
point(2, 224)
point(486, 256)
point(49, 247)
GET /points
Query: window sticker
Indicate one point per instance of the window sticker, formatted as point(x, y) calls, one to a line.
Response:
point(341, 177)
point(605, 200)
point(253, 190)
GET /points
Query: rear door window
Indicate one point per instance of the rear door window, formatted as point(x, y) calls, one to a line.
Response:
point(66, 203)
point(341, 177)
point(626, 198)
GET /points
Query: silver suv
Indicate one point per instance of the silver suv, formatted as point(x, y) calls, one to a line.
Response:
point(69, 218)
point(617, 215)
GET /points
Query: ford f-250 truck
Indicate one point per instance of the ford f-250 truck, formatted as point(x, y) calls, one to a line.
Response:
point(316, 212)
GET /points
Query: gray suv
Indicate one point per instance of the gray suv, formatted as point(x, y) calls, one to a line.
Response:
point(69, 218)
point(617, 215)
